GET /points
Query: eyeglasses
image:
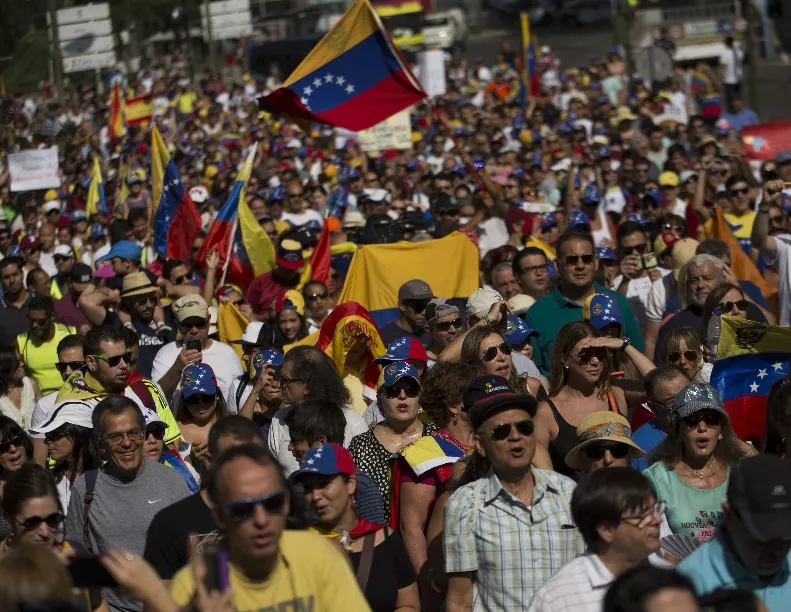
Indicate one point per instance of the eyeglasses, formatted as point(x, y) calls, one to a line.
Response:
point(180, 279)
point(61, 258)
point(62, 366)
point(572, 260)
point(158, 434)
point(742, 191)
point(640, 249)
point(542, 269)
point(410, 387)
point(728, 306)
point(244, 509)
point(116, 439)
point(711, 418)
point(596, 451)
point(675, 357)
point(490, 353)
point(6, 446)
point(317, 296)
point(53, 521)
point(446, 325)
point(115, 359)
point(639, 521)
point(285, 381)
point(503, 430)
point(589, 352)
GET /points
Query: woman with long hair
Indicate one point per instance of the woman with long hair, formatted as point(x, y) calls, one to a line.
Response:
point(726, 298)
point(291, 324)
point(690, 469)
point(580, 386)
point(487, 346)
point(18, 393)
point(777, 432)
point(683, 347)
point(16, 448)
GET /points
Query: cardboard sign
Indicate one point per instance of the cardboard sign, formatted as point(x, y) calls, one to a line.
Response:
point(392, 133)
point(34, 169)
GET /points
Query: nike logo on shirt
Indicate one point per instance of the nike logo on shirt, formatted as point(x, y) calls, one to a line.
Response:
point(154, 501)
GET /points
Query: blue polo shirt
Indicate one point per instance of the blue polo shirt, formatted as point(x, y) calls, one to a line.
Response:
point(553, 311)
point(648, 436)
point(713, 566)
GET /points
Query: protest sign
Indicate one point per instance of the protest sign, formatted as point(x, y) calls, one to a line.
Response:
point(431, 68)
point(392, 133)
point(34, 169)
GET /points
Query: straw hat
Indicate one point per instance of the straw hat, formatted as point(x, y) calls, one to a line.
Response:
point(605, 425)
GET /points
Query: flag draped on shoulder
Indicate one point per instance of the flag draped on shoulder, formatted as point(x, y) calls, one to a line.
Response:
point(177, 222)
point(115, 127)
point(354, 78)
point(96, 197)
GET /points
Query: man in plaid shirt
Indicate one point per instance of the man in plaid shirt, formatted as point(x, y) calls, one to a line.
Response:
point(507, 533)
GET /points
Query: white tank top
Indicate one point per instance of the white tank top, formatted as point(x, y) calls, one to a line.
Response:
point(604, 233)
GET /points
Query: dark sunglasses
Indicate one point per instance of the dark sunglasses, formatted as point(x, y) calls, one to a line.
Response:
point(60, 258)
point(718, 172)
point(416, 305)
point(640, 249)
point(711, 418)
point(6, 446)
point(503, 430)
point(671, 227)
point(145, 300)
point(180, 279)
point(728, 305)
point(589, 352)
point(53, 521)
point(410, 387)
point(490, 353)
point(244, 509)
point(62, 366)
point(158, 433)
point(317, 296)
point(573, 260)
point(446, 325)
point(688, 355)
point(738, 192)
point(116, 359)
point(596, 451)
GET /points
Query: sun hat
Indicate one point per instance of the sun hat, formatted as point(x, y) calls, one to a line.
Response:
point(604, 425)
point(136, 283)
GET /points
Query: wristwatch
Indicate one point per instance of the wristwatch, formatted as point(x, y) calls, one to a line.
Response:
point(626, 342)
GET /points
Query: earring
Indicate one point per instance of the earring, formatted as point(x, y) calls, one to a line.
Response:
point(455, 420)
point(720, 438)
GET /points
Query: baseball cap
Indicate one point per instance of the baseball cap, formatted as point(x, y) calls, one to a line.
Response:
point(52, 206)
point(479, 303)
point(199, 194)
point(415, 289)
point(548, 220)
point(397, 370)
point(198, 378)
point(517, 331)
point(605, 253)
point(577, 218)
point(601, 309)
point(402, 349)
point(687, 175)
point(439, 308)
point(78, 215)
point(262, 358)
point(80, 273)
point(521, 303)
point(635, 218)
point(668, 179)
point(614, 200)
point(51, 195)
point(125, 249)
point(64, 250)
point(70, 412)
point(696, 397)
point(654, 197)
point(783, 157)
point(97, 231)
point(261, 334)
point(683, 251)
point(136, 283)
point(488, 395)
point(665, 241)
point(759, 491)
point(189, 306)
point(276, 194)
point(445, 204)
point(326, 460)
point(29, 242)
point(153, 420)
point(289, 255)
point(591, 195)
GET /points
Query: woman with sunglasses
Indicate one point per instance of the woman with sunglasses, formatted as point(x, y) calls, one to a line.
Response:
point(580, 386)
point(16, 448)
point(399, 401)
point(604, 441)
point(18, 393)
point(684, 348)
point(690, 469)
point(727, 299)
point(487, 346)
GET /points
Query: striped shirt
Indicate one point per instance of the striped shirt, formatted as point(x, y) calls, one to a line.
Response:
point(512, 548)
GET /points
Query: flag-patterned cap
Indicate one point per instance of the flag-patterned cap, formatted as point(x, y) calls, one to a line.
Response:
point(327, 460)
point(398, 370)
point(265, 358)
point(601, 309)
point(198, 378)
point(403, 349)
point(289, 255)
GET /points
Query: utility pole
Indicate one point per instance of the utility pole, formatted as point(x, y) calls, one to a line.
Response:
point(210, 36)
point(57, 66)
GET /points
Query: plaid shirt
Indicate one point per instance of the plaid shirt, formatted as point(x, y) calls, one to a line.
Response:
point(512, 548)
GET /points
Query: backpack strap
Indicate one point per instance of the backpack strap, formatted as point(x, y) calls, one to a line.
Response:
point(90, 489)
point(243, 380)
point(366, 560)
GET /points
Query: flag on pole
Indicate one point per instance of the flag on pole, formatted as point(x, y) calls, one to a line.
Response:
point(354, 78)
point(530, 80)
point(177, 222)
point(95, 191)
point(138, 110)
point(115, 127)
point(321, 259)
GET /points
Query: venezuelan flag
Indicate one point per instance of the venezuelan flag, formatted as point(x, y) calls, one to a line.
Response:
point(115, 128)
point(530, 80)
point(699, 82)
point(710, 106)
point(751, 357)
point(95, 191)
point(138, 110)
point(354, 78)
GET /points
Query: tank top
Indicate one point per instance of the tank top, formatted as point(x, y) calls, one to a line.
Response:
point(567, 439)
point(602, 234)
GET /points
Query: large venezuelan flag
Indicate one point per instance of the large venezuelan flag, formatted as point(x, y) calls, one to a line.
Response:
point(354, 78)
point(750, 358)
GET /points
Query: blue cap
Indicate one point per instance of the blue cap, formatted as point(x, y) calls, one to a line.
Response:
point(637, 79)
point(15, 251)
point(459, 169)
point(86, 182)
point(326, 460)
point(398, 370)
point(591, 195)
point(517, 331)
point(413, 166)
point(198, 378)
point(635, 218)
point(78, 215)
point(313, 226)
point(354, 173)
point(577, 218)
point(125, 249)
point(402, 349)
point(785, 202)
point(263, 358)
point(603, 153)
point(601, 309)
point(97, 231)
point(548, 220)
point(655, 195)
point(276, 194)
point(603, 252)
point(536, 159)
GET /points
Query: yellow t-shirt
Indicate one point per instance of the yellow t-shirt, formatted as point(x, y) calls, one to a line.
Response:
point(316, 578)
point(186, 102)
point(40, 357)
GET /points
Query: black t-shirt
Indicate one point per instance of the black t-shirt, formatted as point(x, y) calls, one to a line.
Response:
point(14, 322)
point(391, 570)
point(148, 340)
point(393, 332)
point(166, 541)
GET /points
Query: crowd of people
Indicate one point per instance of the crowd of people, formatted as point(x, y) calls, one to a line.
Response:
point(549, 442)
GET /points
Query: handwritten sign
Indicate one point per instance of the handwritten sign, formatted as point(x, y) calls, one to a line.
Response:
point(34, 169)
point(392, 133)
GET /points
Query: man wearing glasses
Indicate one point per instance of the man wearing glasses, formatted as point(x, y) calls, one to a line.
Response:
point(126, 492)
point(413, 298)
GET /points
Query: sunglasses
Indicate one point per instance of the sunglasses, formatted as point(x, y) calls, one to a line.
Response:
point(61, 258)
point(709, 417)
point(573, 260)
point(115, 359)
point(670, 227)
point(446, 325)
point(718, 172)
point(191, 324)
point(503, 430)
point(589, 352)
point(244, 509)
point(317, 296)
point(62, 366)
point(417, 305)
point(490, 353)
point(688, 355)
point(410, 387)
point(158, 433)
point(6, 446)
point(53, 521)
point(738, 192)
point(145, 300)
point(640, 249)
point(180, 279)
point(596, 451)
point(728, 305)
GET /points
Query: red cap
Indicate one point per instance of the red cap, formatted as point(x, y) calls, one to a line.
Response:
point(29, 242)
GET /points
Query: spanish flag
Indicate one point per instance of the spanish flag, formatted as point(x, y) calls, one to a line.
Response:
point(115, 128)
point(138, 110)
point(354, 78)
point(95, 191)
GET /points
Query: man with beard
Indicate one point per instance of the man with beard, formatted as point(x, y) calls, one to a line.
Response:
point(413, 299)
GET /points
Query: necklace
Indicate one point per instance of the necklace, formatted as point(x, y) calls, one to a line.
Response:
point(404, 439)
point(705, 470)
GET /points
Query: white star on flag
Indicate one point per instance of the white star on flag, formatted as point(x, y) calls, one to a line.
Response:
point(317, 82)
point(754, 387)
point(309, 462)
point(777, 366)
point(328, 77)
point(304, 100)
point(308, 90)
point(349, 89)
point(340, 80)
point(762, 373)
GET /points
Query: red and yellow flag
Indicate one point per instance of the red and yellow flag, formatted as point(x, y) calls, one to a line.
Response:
point(116, 128)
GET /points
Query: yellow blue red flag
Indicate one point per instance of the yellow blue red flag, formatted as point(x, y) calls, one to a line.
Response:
point(354, 78)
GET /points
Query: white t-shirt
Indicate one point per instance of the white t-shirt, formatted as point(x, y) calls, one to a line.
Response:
point(219, 357)
point(233, 406)
point(656, 302)
point(731, 61)
point(783, 264)
point(301, 218)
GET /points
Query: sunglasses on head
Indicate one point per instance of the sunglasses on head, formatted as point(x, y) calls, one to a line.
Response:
point(409, 386)
point(675, 357)
point(244, 509)
point(503, 430)
point(62, 366)
point(317, 296)
point(573, 260)
point(53, 521)
point(640, 249)
point(738, 192)
point(490, 353)
point(589, 352)
point(6, 446)
point(709, 417)
point(115, 359)
point(728, 305)
point(596, 450)
point(446, 325)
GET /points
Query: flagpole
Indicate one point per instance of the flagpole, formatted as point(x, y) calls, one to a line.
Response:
point(247, 171)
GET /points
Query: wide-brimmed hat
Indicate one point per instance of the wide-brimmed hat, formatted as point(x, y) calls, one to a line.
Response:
point(136, 283)
point(605, 425)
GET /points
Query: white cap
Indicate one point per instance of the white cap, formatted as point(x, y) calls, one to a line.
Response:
point(353, 218)
point(481, 301)
point(64, 250)
point(199, 194)
point(51, 205)
point(377, 195)
point(76, 413)
point(251, 334)
point(614, 201)
point(521, 303)
point(152, 418)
